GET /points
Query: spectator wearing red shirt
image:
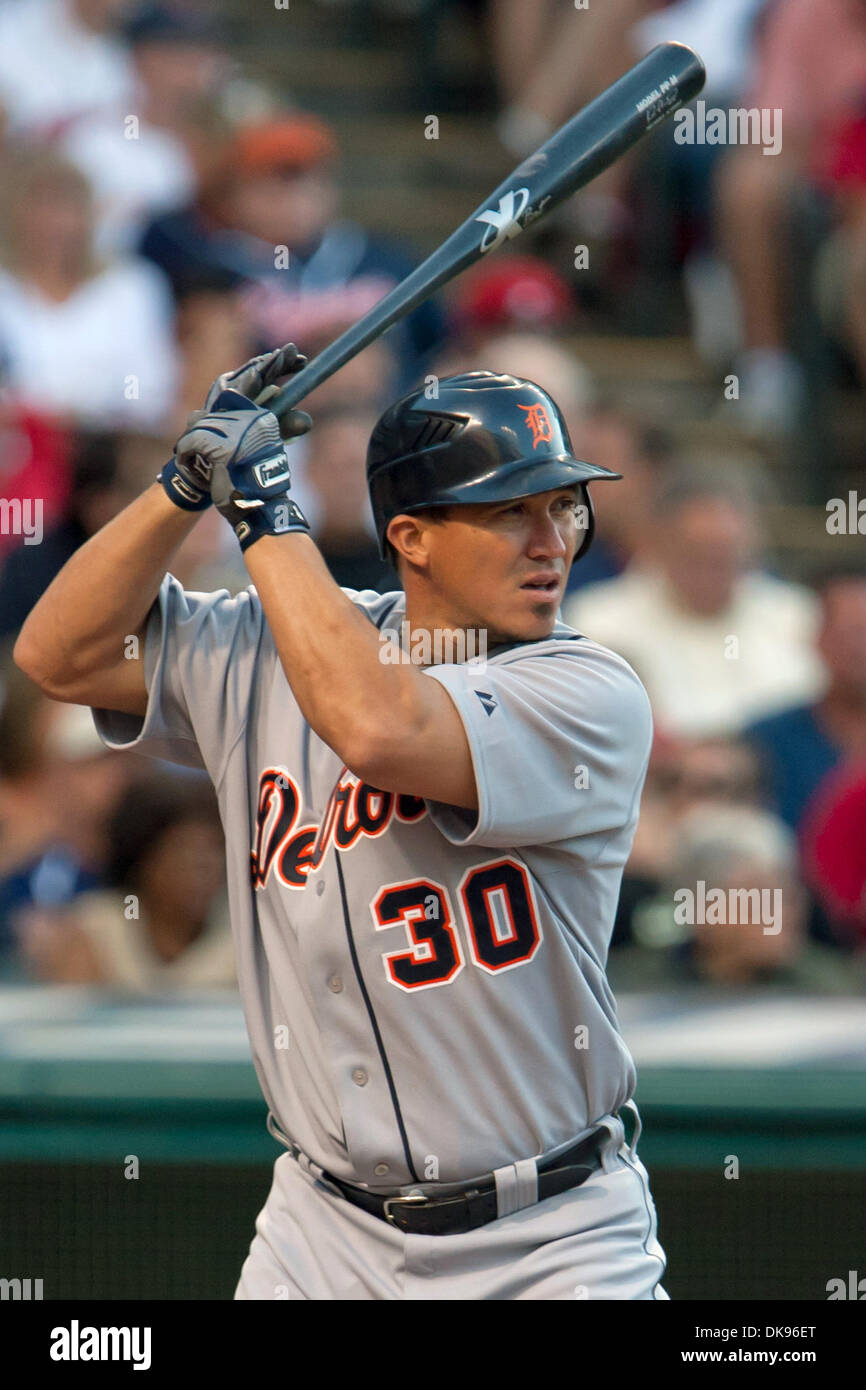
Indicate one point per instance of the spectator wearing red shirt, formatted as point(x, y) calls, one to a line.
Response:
point(34, 476)
point(802, 744)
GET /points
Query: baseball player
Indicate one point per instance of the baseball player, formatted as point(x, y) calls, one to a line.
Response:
point(424, 853)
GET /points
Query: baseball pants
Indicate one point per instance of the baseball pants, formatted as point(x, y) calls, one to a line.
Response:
point(596, 1241)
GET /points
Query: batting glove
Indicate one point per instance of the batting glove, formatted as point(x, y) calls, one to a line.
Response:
point(186, 478)
point(250, 477)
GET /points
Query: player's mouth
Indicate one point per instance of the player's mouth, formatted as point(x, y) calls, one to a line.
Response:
point(545, 585)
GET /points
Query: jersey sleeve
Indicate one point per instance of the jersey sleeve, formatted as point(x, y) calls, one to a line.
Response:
point(200, 655)
point(385, 611)
point(560, 744)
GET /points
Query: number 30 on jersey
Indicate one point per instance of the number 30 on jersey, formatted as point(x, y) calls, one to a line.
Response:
point(499, 921)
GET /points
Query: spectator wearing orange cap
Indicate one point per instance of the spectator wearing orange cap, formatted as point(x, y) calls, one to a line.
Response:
point(271, 224)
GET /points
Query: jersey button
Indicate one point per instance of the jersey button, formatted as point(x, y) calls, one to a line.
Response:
point(320, 887)
point(359, 1076)
point(335, 984)
point(382, 1170)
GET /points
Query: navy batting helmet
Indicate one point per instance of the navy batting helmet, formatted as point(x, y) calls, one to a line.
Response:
point(485, 437)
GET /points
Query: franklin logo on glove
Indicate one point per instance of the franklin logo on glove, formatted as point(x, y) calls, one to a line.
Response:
point(275, 470)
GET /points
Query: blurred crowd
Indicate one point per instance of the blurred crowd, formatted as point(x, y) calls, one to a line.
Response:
point(165, 215)
point(770, 236)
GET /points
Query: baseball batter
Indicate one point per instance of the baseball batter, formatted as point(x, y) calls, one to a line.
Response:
point(424, 854)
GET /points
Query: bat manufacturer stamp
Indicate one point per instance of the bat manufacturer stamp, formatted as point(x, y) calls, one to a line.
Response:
point(504, 221)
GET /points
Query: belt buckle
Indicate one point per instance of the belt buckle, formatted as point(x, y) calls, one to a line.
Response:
point(412, 1200)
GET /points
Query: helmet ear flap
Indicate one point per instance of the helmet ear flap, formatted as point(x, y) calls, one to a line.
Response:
point(589, 527)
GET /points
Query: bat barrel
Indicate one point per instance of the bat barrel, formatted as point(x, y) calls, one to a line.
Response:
point(584, 147)
point(669, 77)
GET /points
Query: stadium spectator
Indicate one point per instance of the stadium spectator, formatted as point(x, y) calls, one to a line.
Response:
point(58, 784)
point(724, 31)
point(136, 155)
point(683, 775)
point(833, 851)
point(725, 35)
point(273, 224)
point(107, 471)
point(211, 330)
point(340, 513)
point(732, 916)
point(840, 271)
point(162, 920)
point(59, 59)
point(79, 339)
point(812, 68)
point(34, 475)
point(800, 745)
point(640, 451)
point(515, 294)
point(717, 642)
point(551, 58)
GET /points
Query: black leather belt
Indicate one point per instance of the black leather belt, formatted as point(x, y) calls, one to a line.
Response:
point(465, 1211)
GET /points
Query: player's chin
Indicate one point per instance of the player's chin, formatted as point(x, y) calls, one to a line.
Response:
point(537, 618)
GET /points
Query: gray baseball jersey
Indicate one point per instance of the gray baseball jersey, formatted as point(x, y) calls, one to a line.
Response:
point(424, 986)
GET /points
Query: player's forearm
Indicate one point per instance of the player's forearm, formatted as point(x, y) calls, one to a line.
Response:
point(367, 709)
point(103, 593)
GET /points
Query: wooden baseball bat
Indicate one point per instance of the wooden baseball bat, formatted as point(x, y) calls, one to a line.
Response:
point(667, 78)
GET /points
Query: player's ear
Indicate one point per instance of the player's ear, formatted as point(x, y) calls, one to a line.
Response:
point(408, 536)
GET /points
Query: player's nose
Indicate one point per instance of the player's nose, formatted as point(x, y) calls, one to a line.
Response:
point(546, 535)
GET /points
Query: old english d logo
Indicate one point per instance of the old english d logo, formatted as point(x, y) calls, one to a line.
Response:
point(538, 421)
